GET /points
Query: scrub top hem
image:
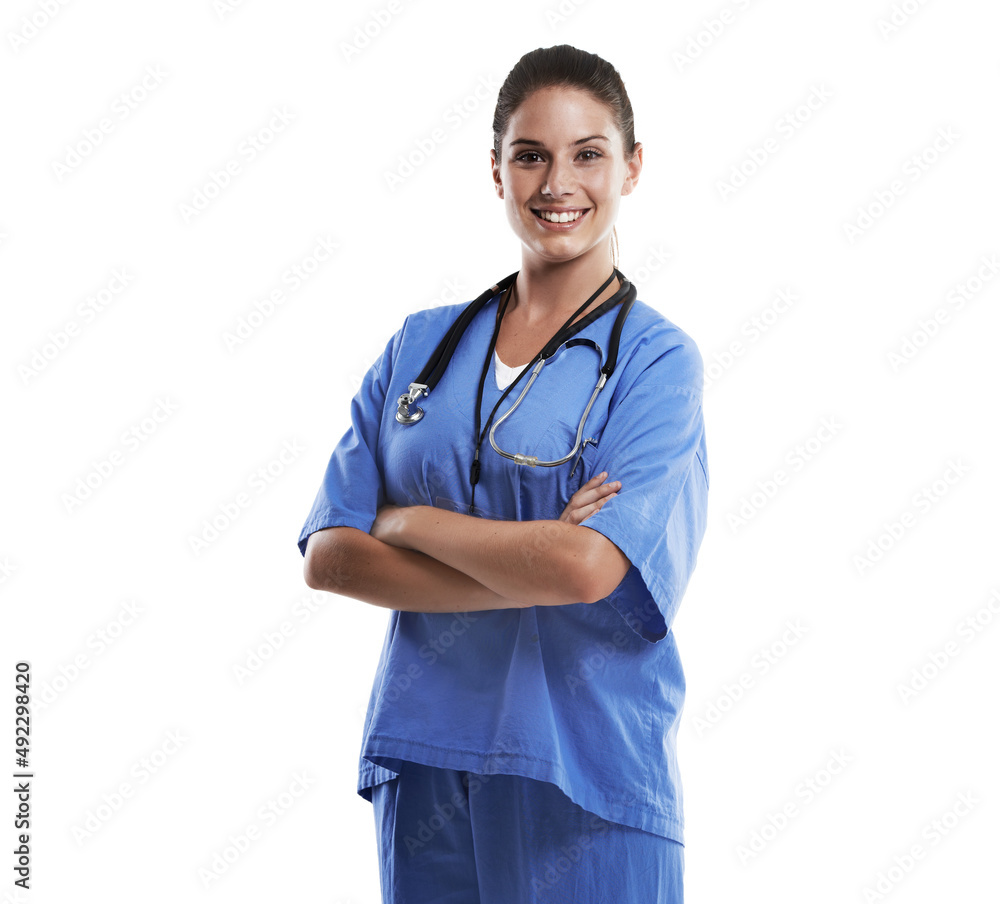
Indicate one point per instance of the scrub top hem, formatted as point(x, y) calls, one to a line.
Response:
point(376, 768)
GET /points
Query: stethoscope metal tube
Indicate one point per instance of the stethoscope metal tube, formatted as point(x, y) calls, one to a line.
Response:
point(434, 368)
point(532, 460)
point(403, 413)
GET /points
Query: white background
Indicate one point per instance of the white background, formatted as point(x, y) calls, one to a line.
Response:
point(801, 555)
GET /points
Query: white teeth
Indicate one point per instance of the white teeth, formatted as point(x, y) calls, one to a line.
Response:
point(560, 217)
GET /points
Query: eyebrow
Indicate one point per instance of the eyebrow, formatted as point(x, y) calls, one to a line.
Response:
point(539, 144)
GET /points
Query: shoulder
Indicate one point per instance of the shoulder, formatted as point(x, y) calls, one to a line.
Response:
point(421, 330)
point(654, 349)
point(426, 324)
point(443, 313)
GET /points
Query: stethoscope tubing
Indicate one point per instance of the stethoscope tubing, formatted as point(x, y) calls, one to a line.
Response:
point(435, 367)
point(533, 460)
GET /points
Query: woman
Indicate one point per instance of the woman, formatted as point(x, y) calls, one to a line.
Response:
point(519, 743)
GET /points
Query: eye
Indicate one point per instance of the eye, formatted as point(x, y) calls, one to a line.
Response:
point(527, 154)
point(596, 153)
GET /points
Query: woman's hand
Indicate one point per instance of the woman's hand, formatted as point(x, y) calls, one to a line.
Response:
point(389, 526)
point(589, 498)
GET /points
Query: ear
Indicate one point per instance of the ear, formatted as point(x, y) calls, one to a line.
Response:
point(495, 170)
point(633, 168)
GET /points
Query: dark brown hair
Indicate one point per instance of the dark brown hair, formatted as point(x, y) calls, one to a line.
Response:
point(564, 65)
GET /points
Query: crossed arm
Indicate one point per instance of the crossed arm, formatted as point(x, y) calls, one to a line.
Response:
point(424, 559)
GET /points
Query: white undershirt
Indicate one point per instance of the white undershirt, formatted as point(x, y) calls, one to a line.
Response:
point(504, 375)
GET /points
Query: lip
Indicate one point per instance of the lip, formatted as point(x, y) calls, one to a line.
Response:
point(560, 227)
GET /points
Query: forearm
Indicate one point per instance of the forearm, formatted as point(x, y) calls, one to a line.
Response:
point(543, 563)
point(352, 563)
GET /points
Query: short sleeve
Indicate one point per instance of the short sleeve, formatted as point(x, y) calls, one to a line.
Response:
point(352, 488)
point(654, 443)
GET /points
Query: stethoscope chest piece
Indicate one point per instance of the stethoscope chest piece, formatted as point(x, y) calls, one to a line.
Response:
point(403, 413)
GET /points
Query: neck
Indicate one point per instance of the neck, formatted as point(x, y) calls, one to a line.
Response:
point(546, 291)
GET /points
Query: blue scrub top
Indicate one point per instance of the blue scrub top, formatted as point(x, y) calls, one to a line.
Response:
point(585, 696)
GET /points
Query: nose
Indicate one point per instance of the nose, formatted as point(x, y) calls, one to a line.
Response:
point(558, 179)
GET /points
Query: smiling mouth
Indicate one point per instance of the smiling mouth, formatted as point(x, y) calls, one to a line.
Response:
point(551, 216)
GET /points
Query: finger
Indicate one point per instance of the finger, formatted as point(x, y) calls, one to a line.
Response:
point(582, 514)
point(594, 507)
point(586, 496)
point(588, 493)
point(594, 481)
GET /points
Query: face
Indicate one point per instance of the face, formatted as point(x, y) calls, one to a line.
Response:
point(562, 156)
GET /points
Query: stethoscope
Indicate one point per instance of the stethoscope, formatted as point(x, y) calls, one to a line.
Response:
point(434, 368)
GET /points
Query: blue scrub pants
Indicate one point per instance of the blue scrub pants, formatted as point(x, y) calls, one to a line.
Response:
point(452, 837)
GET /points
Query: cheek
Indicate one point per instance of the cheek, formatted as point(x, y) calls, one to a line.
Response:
point(517, 189)
point(607, 192)
point(512, 211)
point(607, 182)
